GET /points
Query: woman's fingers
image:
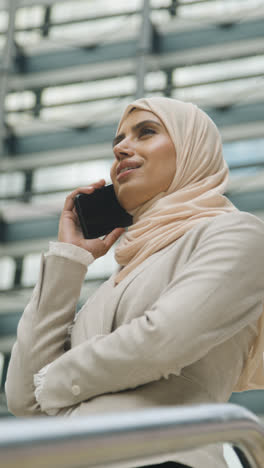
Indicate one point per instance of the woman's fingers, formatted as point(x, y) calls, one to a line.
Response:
point(99, 247)
point(69, 226)
point(112, 237)
point(69, 201)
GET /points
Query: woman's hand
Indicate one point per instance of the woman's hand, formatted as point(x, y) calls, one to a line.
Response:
point(70, 230)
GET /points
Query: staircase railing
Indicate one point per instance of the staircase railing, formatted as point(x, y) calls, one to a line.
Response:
point(128, 439)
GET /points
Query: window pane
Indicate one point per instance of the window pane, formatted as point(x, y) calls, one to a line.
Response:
point(244, 151)
point(29, 16)
point(216, 70)
point(31, 266)
point(71, 175)
point(217, 94)
point(3, 20)
point(102, 267)
point(11, 183)
point(16, 101)
point(1, 372)
point(75, 92)
point(239, 152)
point(7, 272)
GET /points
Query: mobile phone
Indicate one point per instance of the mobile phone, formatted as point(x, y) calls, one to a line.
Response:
point(100, 212)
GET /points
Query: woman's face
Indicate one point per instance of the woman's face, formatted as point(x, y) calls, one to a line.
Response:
point(145, 159)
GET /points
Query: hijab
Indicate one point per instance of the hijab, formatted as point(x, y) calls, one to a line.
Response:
point(195, 194)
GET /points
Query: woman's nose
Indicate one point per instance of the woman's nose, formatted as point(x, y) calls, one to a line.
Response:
point(123, 150)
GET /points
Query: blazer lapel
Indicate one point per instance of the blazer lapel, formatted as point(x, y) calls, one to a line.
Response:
point(106, 312)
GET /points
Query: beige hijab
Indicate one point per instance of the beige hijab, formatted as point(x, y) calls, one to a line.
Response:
point(196, 193)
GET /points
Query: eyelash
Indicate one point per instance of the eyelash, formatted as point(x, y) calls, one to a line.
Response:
point(146, 131)
point(142, 132)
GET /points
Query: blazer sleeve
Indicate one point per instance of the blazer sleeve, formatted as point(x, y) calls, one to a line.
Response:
point(211, 299)
point(43, 329)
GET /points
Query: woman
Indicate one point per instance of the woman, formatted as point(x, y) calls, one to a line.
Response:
point(188, 290)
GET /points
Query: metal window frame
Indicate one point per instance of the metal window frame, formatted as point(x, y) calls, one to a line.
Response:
point(6, 66)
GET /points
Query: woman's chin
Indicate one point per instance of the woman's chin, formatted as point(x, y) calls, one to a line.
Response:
point(132, 193)
point(129, 199)
point(132, 197)
point(128, 205)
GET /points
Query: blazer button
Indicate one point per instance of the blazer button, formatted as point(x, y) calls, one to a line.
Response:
point(76, 390)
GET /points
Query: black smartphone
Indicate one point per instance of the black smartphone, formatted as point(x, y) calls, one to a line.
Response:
point(100, 212)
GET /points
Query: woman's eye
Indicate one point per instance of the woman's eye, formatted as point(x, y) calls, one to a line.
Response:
point(146, 131)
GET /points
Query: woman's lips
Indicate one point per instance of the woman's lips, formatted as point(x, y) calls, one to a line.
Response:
point(124, 174)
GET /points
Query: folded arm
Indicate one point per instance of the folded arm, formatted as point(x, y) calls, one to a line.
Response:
point(43, 327)
point(209, 301)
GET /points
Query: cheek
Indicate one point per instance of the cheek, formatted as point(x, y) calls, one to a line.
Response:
point(163, 156)
point(164, 165)
point(170, 155)
point(112, 172)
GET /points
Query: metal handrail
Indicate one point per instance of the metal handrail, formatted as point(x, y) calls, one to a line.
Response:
point(128, 439)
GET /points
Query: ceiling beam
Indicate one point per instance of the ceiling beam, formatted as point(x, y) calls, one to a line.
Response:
point(177, 48)
point(76, 141)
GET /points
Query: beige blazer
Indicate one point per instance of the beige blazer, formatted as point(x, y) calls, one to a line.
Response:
point(177, 330)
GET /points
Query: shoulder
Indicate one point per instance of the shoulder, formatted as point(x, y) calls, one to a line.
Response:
point(238, 233)
point(234, 234)
point(239, 217)
point(237, 223)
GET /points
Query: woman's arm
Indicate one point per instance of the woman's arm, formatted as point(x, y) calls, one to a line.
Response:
point(43, 327)
point(213, 297)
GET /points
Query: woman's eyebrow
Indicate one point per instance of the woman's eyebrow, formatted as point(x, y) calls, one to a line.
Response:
point(121, 136)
